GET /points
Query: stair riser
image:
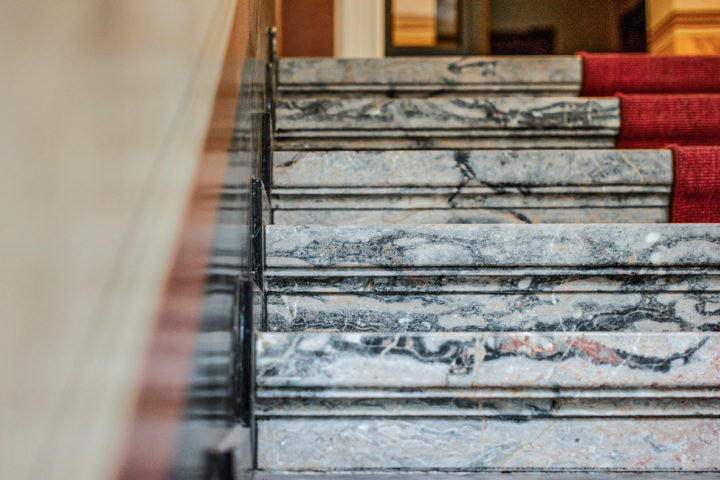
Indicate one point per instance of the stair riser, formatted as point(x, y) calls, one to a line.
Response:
point(499, 171)
point(494, 360)
point(407, 187)
point(544, 312)
point(441, 123)
point(467, 246)
point(465, 216)
point(489, 444)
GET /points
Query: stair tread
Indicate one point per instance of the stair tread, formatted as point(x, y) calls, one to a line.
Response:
point(560, 74)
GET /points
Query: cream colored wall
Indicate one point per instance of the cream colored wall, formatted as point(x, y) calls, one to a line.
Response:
point(104, 110)
point(359, 28)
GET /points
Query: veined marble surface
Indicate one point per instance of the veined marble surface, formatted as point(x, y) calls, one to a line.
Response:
point(468, 402)
point(430, 75)
point(421, 187)
point(491, 360)
point(493, 245)
point(511, 214)
point(442, 114)
point(467, 122)
point(543, 312)
point(495, 169)
point(638, 444)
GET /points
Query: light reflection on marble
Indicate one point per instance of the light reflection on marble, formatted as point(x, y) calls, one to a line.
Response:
point(421, 187)
point(499, 360)
point(556, 75)
point(466, 122)
point(493, 245)
point(636, 444)
point(472, 402)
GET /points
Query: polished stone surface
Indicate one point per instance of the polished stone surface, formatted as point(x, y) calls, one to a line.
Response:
point(636, 444)
point(439, 348)
point(466, 122)
point(556, 75)
point(493, 245)
point(421, 187)
point(644, 278)
point(471, 402)
point(492, 360)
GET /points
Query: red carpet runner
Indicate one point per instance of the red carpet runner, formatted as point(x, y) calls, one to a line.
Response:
point(654, 121)
point(606, 74)
point(696, 186)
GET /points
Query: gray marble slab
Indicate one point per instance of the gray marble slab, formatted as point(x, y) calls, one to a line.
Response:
point(418, 216)
point(421, 187)
point(556, 75)
point(493, 245)
point(479, 444)
point(495, 169)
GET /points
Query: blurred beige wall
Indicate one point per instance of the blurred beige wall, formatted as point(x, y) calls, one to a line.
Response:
point(104, 110)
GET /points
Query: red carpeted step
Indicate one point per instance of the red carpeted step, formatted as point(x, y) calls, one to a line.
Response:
point(654, 121)
point(605, 74)
point(696, 185)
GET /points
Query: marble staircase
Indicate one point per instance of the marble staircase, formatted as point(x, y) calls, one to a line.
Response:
point(463, 276)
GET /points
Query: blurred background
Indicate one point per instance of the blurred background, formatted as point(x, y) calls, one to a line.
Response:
point(372, 28)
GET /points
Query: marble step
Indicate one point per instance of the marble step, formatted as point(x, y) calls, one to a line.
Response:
point(430, 76)
point(326, 123)
point(493, 278)
point(501, 401)
point(481, 186)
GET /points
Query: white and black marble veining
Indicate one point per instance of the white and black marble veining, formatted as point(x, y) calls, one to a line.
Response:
point(421, 187)
point(463, 246)
point(465, 122)
point(537, 312)
point(556, 75)
point(439, 113)
point(498, 360)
